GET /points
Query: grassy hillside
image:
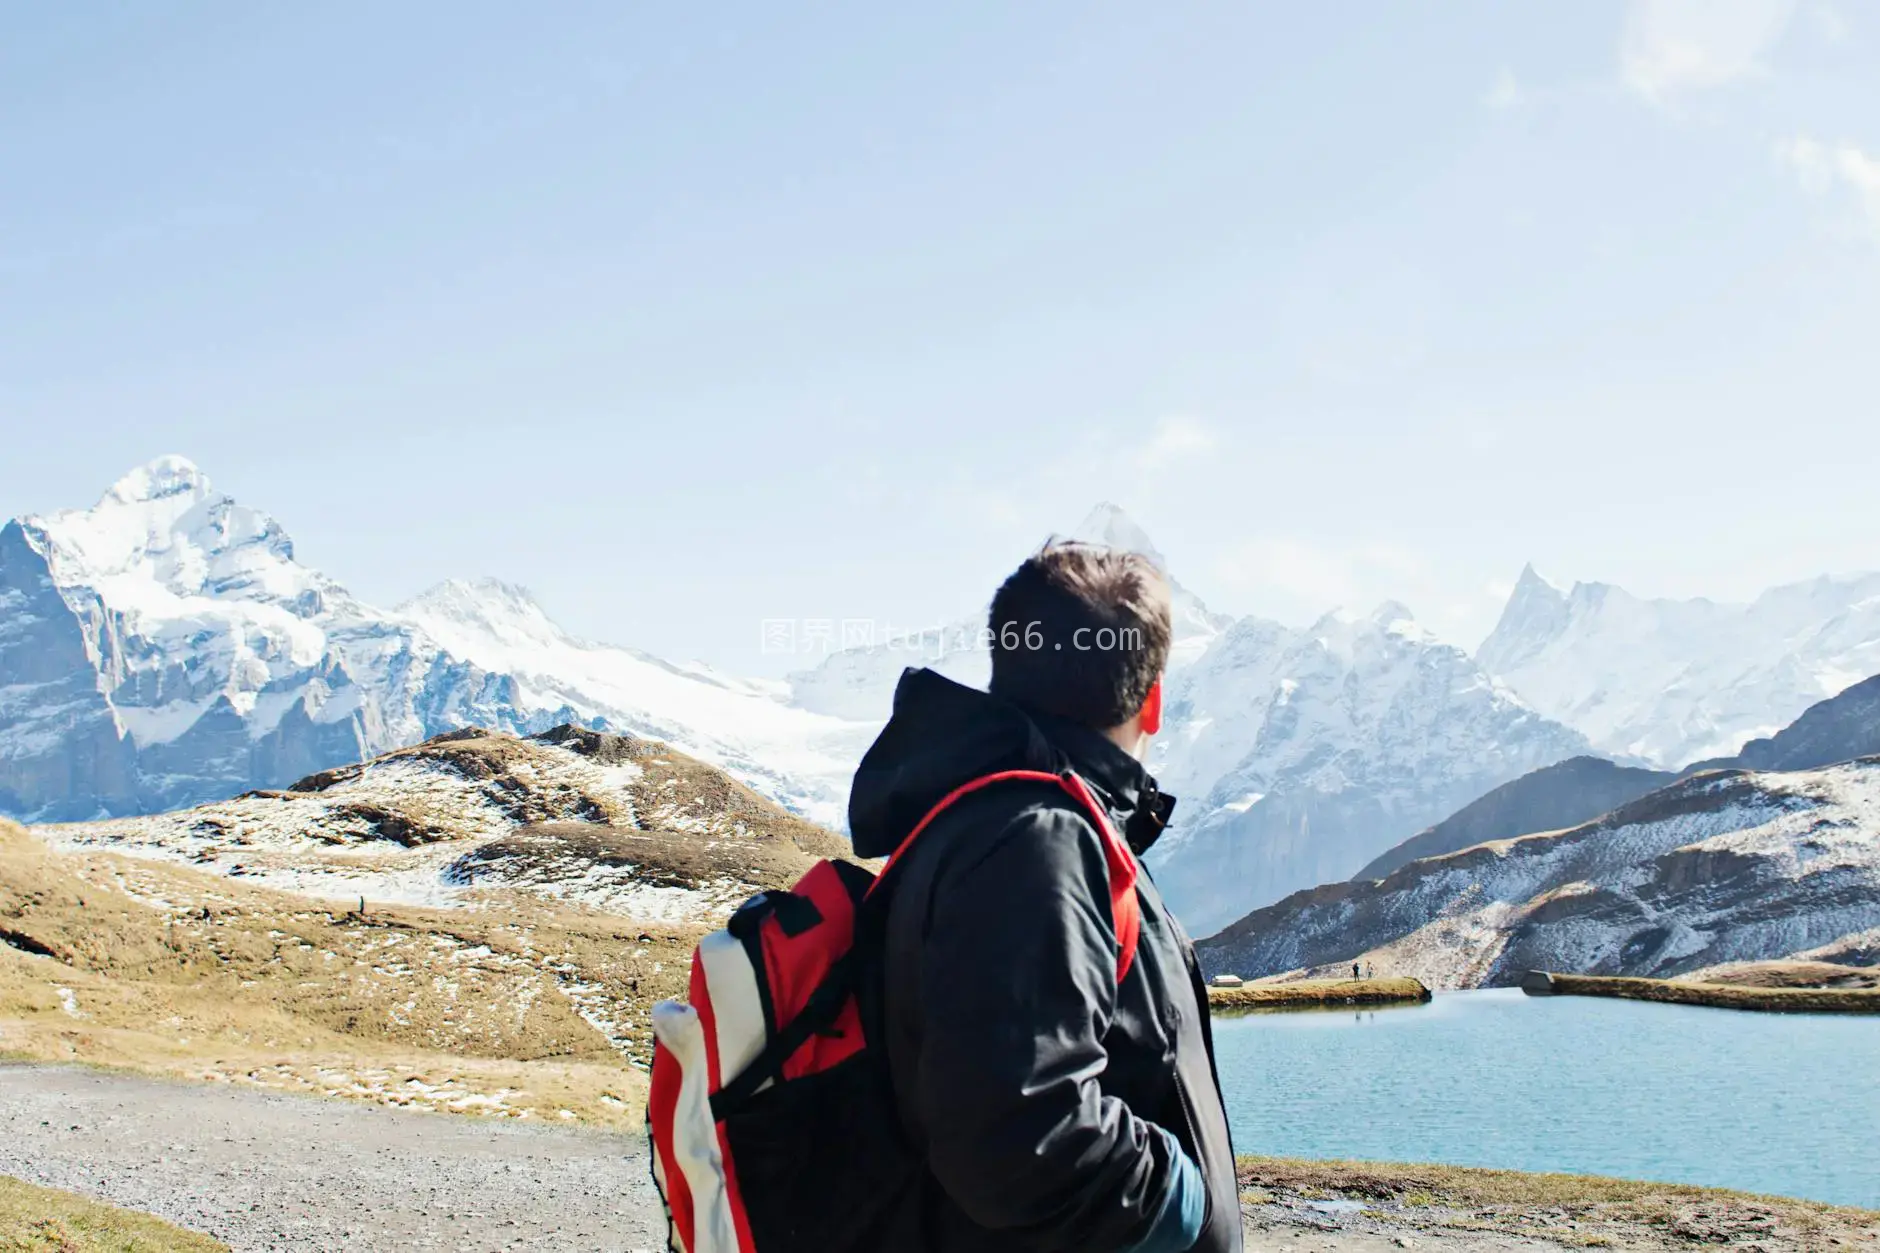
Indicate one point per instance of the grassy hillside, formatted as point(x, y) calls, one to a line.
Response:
point(552, 889)
point(522, 1008)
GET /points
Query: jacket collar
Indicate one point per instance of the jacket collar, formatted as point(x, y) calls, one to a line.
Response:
point(943, 734)
point(1125, 785)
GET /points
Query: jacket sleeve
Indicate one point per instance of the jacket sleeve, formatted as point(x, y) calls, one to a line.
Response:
point(1018, 988)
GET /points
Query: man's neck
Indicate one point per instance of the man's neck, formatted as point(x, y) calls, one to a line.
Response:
point(1129, 738)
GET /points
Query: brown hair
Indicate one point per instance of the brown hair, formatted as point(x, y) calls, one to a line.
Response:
point(1080, 631)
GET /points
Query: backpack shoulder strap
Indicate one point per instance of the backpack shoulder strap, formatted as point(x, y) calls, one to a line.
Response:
point(1125, 908)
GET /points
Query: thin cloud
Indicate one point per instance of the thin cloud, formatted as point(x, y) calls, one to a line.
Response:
point(1297, 580)
point(1830, 169)
point(1174, 440)
point(1673, 47)
point(1830, 22)
point(1506, 93)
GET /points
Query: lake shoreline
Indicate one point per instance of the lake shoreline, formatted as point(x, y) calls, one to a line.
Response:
point(1383, 1205)
point(1593, 1085)
point(1777, 1000)
point(1317, 994)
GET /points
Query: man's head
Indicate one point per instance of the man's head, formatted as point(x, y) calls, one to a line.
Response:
point(1082, 631)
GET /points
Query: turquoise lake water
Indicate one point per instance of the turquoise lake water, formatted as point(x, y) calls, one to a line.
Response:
point(1782, 1103)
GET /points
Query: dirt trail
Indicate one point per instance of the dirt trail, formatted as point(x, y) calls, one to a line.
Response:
point(264, 1171)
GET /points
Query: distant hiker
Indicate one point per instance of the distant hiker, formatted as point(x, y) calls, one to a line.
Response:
point(1354, 972)
point(1013, 1053)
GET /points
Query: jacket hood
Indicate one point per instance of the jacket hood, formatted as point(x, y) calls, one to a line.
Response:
point(943, 734)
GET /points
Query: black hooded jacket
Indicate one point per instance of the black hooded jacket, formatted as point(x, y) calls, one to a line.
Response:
point(1029, 1081)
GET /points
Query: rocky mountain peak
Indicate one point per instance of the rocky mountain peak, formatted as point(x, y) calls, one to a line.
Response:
point(1394, 616)
point(480, 597)
point(1108, 525)
point(164, 526)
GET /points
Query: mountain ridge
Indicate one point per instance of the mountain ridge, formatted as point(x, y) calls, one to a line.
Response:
point(1726, 862)
point(1312, 751)
point(1719, 867)
point(1579, 790)
point(1664, 682)
point(165, 647)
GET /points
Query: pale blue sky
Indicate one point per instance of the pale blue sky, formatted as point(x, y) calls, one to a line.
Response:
point(690, 319)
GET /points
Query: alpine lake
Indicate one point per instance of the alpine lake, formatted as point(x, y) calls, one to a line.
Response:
point(1761, 1102)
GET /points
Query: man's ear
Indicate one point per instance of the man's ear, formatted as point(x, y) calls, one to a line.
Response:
point(1151, 715)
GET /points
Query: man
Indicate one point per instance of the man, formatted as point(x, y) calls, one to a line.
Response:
point(1054, 1106)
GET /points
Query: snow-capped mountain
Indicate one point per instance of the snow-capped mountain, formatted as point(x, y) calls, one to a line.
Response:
point(1720, 867)
point(1303, 754)
point(1298, 755)
point(859, 682)
point(165, 648)
point(1195, 625)
point(1667, 682)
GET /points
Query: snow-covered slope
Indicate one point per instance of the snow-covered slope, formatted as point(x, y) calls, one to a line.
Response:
point(1301, 755)
point(165, 647)
point(1720, 867)
point(1668, 682)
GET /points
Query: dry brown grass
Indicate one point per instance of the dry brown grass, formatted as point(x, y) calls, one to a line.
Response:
point(1622, 1212)
point(513, 1007)
point(517, 1002)
point(1785, 1000)
point(1318, 993)
point(46, 1220)
point(1786, 974)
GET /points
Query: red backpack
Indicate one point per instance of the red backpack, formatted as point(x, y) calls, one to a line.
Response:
point(771, 1115)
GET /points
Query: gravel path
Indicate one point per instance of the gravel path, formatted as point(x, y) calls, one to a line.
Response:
point(298, 1174)
point(301, 1174)
point(295, 1174)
